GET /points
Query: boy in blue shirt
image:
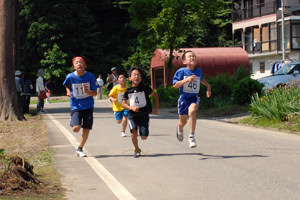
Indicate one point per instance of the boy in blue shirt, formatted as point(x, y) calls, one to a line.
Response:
point(81, 86)
point(188, 80)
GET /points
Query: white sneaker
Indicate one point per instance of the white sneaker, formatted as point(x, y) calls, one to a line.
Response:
point(192, 142)
point(123, 134)
point(80, 153)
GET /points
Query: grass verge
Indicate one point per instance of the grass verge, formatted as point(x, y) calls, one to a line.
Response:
point(28, 140)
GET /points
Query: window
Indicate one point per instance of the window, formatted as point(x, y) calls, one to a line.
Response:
point(262, 67)
point(273, 37)
point(265, 37)
point(296, 36)
point(251, 68)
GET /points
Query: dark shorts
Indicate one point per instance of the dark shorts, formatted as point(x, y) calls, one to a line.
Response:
point(184, 104)
point(140, 123)
point(84, 118)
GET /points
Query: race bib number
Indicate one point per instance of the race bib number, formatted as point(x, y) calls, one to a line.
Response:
point(120, 97)
point(78, 90)
point(192, 87)
point(137, 99)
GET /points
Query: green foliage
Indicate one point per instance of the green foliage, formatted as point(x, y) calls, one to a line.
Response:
point(282, 104)
point(168, 97)
point(241, 73)
point(244, 90)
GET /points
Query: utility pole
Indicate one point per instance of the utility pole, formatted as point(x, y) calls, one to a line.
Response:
point(282, 30)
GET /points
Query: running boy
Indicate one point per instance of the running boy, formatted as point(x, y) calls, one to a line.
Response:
point(116, 96)
point(81, 86)
point(139, 107)
point(188, 80)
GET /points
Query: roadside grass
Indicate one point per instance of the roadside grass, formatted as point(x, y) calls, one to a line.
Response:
point(29, 141)
point(267, 123)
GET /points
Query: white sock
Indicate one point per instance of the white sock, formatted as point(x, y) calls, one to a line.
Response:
point(191, 135)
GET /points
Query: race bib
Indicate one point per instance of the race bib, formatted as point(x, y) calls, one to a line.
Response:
point(137, 99)
point(120, 97)
point(78, 90)
point(192, 87)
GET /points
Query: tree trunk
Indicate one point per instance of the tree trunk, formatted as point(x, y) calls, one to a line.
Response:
point(8, 94)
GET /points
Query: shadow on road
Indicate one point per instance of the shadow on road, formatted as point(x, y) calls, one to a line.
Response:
point(203, 156)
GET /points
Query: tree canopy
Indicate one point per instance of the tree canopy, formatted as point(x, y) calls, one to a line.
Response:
point(115, 33)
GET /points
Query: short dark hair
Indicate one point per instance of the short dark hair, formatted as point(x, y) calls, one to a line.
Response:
point(183, 55)
point(134, 68)
point(121, 74)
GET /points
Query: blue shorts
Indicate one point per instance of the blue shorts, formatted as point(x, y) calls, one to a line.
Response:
point(140, 123)
point(119, 115)
point(184, 104)
point(84, 118)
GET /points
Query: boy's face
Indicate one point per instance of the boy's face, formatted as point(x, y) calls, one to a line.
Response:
point(121, 79)
point(79, 65)
point(190, 59)
point(135, 77)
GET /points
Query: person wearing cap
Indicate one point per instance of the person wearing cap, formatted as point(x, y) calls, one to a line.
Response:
point(81, 86)
point(18, 81)
point(114, 76)
point(39, 86)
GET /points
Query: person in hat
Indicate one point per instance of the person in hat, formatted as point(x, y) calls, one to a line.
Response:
point(39, 86)
point(112, 79)
point(18, 81)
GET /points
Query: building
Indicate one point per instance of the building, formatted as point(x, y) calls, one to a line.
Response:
point(257, 28)
point(211, 60)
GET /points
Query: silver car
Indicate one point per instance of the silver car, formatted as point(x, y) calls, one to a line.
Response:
point(288, 75)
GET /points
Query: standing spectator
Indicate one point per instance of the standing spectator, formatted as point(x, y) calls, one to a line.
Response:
point(101, 84)
point(18, 81)
point(48, 89)
point(27, 87)
point(39, 86)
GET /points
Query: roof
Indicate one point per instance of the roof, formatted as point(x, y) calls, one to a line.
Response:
point(211, 60)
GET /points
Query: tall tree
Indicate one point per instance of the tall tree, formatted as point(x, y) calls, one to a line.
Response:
point(8, 94)
point(167, 24)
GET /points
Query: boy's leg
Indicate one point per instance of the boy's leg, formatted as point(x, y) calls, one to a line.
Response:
point(84, 137)
point(134, 139)
point(193, 117)
point(182, 122)
point(124, 124)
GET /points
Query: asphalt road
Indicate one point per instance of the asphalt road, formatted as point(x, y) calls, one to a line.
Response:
point(230, 162)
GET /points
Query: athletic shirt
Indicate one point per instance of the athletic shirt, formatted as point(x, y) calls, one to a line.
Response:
point(117, 93)
point(81, 100)
point(189, 89)
point(139, 96)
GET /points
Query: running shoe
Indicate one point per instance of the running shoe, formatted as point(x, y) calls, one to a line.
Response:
point(192, 142)
point(123, 134)
point(80, 153)
point(179, 135)
point(137, 153)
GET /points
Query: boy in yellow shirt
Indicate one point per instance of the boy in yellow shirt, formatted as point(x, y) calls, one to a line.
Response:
point(115, 95)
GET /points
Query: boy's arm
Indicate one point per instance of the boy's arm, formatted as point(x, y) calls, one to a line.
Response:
point(69, 94)
point(156, 102)
point(208, 92)
point(180, 83)
point(89, 92)
point(126, 106)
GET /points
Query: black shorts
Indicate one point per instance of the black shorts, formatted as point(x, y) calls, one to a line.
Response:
point(140, 123)
point(84, 118)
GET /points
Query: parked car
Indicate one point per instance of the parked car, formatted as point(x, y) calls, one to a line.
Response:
point(288, 75)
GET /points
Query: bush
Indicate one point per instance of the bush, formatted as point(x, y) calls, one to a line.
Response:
point(281, 104)
point(244, 90)
point(168, 96)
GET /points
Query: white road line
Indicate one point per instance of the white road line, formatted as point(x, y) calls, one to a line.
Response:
point(116, 187)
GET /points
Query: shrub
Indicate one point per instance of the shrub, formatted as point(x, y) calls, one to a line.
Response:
point(282, 104)
point(167, 96)
point(244, 90)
